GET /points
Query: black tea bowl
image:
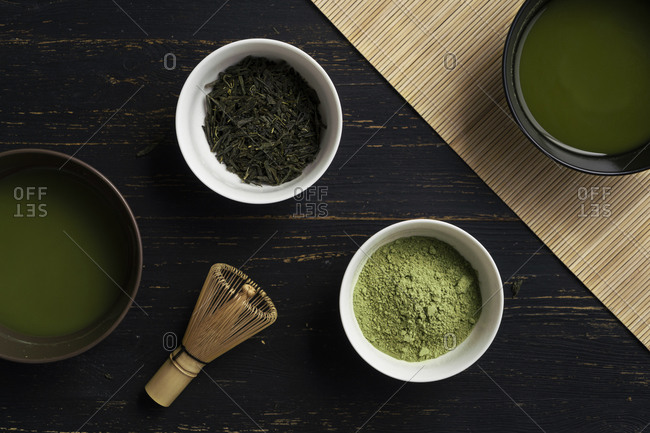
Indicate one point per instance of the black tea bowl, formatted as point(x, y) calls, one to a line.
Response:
point(625, 163)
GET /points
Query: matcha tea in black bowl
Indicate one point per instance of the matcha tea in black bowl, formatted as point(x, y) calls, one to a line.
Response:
point(577, 79)
point(70, 257)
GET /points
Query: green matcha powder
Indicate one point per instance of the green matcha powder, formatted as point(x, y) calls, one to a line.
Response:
point(417, 298)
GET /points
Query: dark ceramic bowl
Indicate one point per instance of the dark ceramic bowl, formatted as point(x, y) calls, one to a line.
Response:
point(16, 346)
point(625, 163)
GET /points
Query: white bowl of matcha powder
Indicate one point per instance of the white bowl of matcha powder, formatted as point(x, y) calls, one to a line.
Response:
point(421, 300)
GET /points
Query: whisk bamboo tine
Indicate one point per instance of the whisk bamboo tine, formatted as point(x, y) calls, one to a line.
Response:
point(229, 310)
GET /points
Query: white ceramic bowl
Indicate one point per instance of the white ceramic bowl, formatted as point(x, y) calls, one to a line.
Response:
point(467, 352)
point(191, 110)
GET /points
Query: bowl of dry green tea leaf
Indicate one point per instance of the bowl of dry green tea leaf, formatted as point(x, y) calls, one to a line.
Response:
point(258, 121)
point(421, 300)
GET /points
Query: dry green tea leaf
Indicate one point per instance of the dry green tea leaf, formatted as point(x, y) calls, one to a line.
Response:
point(516, 286)
point(263, 121)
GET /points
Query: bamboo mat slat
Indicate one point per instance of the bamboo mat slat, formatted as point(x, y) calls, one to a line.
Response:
point(444, 57)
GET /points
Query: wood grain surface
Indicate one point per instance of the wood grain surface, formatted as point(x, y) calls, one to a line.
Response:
point(76, 74)
point(444, 57)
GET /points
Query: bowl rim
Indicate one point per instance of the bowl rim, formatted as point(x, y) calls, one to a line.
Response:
point(510, 45)
point(262, 195)
point(137, 246)
point(350, 324)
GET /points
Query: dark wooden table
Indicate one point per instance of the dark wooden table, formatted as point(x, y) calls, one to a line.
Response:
point(106, 76)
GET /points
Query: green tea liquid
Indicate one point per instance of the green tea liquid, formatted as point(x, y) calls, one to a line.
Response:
point(48, 285)
point(584, 73)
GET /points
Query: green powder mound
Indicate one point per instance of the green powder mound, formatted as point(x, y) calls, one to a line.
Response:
point(417, 298)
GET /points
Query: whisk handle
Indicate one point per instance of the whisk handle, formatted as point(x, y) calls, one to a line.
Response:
point(173, 376)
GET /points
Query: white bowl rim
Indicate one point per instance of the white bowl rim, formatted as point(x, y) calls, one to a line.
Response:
point(266, 194)
point(412, 371)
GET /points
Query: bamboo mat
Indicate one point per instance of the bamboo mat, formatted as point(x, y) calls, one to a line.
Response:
point(444, 57)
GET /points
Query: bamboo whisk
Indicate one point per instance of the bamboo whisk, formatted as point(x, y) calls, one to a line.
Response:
point(231, 308)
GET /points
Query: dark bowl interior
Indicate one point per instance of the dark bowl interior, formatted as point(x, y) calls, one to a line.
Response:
point(625, 163)
point(23, 348)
